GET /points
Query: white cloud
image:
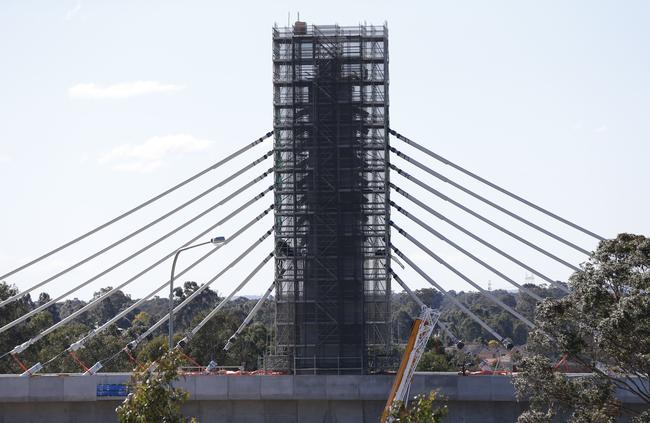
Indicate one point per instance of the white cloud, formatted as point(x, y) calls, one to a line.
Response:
point(151, 154)
point(137, 167)
point(601, 129)
point(84, 157)
point(71, 13)
point(121, 90)
point(4, 158)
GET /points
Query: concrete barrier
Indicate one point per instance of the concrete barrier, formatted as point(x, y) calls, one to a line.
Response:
point(261, 399)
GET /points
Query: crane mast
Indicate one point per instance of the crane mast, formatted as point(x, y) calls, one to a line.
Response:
point(417, 343)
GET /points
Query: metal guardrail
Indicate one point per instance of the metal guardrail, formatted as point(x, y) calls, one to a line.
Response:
point(327, 365)
point(215, 369)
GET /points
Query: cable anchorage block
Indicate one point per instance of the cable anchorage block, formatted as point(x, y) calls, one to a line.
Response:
point(34, 369)
point(230, 343)
point(507, 342)
point(76, 346)
point(211, 367)
point(94, 369)
point(20, 348)
point(183, 342)
point(152, 367)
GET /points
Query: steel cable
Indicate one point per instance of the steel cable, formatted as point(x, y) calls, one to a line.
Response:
point(80, 342)
point(493, 185)
point(487, 294)
point(464, 251)
point(140, 251)
point(448, 295)
point(480, 217)
point(142, 205)
point(134, 233)
point(477, 238)
point(488, 202)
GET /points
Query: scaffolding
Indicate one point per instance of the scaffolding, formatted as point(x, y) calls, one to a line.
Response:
point(331, 197)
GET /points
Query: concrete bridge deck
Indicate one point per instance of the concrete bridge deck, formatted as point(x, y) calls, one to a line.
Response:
point(260, 399)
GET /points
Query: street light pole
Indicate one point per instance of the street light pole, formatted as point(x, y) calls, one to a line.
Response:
point(214, 241)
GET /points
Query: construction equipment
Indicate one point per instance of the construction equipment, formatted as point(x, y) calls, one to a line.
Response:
point(420, 334)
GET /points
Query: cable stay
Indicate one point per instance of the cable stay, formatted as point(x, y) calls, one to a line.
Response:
point(140, 206)
point(459, 344)
point(206, 319)
point(93, 333)
point(464, 251)
point(200, 289)
point(453, 299)
point(487, 294)
point(138, 231)
point(495, 186)
point(20, 348)
point(189, 335)
point(248, 318)
point(80, 343)
point(477, 238)
point(480, 217)
point(140, 251)
point(408, 290)
point(488, 202)
point(194, 264)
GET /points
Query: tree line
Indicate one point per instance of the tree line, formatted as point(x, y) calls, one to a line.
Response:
point(209, 342)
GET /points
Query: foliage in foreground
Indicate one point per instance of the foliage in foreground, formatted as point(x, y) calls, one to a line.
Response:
point(420, 410)
point(604, 325)
point(153, 397)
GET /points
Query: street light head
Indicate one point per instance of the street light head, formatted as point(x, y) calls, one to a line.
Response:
point(218, 240)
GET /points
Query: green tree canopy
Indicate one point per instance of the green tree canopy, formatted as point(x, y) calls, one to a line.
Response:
point(420, 409)
point(604, 324)
point(153, 397)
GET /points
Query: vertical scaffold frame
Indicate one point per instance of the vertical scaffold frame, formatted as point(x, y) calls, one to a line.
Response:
point(331, 196)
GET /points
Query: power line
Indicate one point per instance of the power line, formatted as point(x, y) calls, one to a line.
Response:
point(142, 205)
point(477, 238)
point(480, 217)
point(488, 202)
point(495, 186)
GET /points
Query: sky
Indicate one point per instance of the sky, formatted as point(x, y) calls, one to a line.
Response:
point(106, 104)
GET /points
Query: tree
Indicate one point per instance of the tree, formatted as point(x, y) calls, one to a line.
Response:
point(153, 397)
point(603, 324)
point(435, 362)
point(208, 344)
point(250, 345)
point(420, 410)
point(18, 334)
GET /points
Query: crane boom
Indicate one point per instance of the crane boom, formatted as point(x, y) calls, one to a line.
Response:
point(420, 334)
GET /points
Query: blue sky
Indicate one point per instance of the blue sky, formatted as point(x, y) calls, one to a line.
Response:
point(104, 104)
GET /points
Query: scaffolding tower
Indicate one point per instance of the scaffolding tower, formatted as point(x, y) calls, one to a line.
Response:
point(331, 197)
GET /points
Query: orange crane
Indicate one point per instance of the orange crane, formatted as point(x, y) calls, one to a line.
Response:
point(417, 342)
